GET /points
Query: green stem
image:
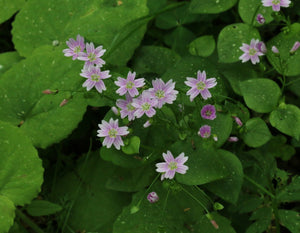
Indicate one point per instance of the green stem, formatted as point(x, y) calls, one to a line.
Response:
point(259, 186)
point(275, 210)
point(204, 194)
point(28, 222)
point(140, 201)
point(165, 204)
point(193, 197)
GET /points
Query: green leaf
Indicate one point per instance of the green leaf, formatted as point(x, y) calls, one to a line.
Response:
point(40, 23)
point(261, 95)
point(38, 114)
point(42, 208)
point(290, 219)
point(9, 8)
point(284, 41)
point(248, 203)
point(7, 213)
point(154, 59)
point(249, 9)
point(228, 188)
point(203, 46)
point(204, 224)
point(291, 192)
point(132, 146)
point(211, 7)
point(21, 171)
point(231, 38)
point(286, 118)
point(7, 60)
point(263, 217)
point(256, 132)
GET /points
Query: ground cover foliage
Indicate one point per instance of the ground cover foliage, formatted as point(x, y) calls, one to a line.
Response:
point(67, 165)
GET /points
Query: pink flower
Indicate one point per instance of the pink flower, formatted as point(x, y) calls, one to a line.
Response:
point(171, 165)
point(260, 19)
point(295, 47)
point(163, 93)
point(205, 131)
point(276, 4)
point(92, 55)
point(208, 112)
point(251, 51)
point(112, 133)
point(262, 47)
point(126, 107)
point(94, 77)
point(144, 104)
point(152, 197)
point(75, 47)
point(129, 85)
point(200, 85)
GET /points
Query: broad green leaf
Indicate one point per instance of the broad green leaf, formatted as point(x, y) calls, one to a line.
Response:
point(248, 203)
point(42, 208)
point(263, 217)
point(154, 59)
point(7, 213)
point(204, 224)
point(261, 95)
point(290, 219)
point(38, 114)
point(9, 8)
point(256, 132)
point(132, 145)
point(21, 171)
point(228, 188)
point(156, 5)
point(284, 41)
point(231, 38)
point(131, 180)
point(249, 9)
point(41, 23)
point(203, 46)
point(236, 73)
point(205, 164)
point(211, 7)
point(291, 192)
point(286, 118)
point(7, 60)
point(88, 205)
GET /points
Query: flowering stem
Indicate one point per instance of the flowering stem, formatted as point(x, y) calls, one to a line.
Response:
point(193, 197)
point(166, 200)
point(140, 201)
point(204, 194)
point(28, 222)
point(259, 186)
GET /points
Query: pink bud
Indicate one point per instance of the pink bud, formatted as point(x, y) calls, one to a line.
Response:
point(232, 139)
point(115, 110)
point(260, 19)
point(275, 49)
point(238, 121)
point(261, 47)
point(47, 91)
point(215, 138)
point(152, 197)
point(64, 102)
point(213, 222)
point(147, 124)
point(295, 47)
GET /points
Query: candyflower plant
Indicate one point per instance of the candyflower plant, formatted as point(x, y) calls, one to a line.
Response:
point(144, 116)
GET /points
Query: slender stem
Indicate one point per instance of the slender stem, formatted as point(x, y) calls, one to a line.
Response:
point(140, 201)
point(192, 196)
point(275, 210)
point(28, 222)
point(166, 200)
point(204, 194)
point(259, 186)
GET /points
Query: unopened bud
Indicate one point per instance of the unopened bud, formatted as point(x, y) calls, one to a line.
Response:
point(275, 49)
point(64, 102)
point(295, 47)
point(48, 91)
point(232, 139)
point(134, 209)
point(215, 137)
point(262, 47)
point(147, 124)
point(152, 197)
point(115, 110)
point(260, 19)
point(238, 121)
point(213, 222)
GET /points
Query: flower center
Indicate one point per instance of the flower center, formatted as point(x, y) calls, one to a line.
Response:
point(276, 2)
point(130, 108)
point(160, 94)
point(172, 165)
point(252, 52)
point(206, 134)
point(92, 56)
point(129, 85)
point(200, 86)
point(95, 77)
point(146, 106)
point(77, 49)
point(112, 133)
point(208, 113)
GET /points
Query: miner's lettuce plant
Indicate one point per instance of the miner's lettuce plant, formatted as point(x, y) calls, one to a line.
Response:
point(145, 116)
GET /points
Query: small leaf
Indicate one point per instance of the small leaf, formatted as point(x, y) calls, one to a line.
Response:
point(211, 7)
point(132, 146)
point(261, 95)
point(263, 217)
point(290, 219)
point(203, 46)
point(7, 214)
point(42, 208)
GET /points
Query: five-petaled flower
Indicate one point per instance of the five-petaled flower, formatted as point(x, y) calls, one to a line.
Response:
point(75, 47)
point(200, 85)
point(126, 107)
point(205, 131)
point(252, 51)
point(92, 55)
point(163, 92)
point(129, 85)
point(172, 165)
point(112, 133)
point(276, 4)
point(94, 77)
point(208, 112)
point(144, 104)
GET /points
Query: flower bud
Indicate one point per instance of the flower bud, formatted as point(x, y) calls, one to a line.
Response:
point(232, 139)
point(295, 47)
point(238, 121)
point(134, 209)
point(275, 49)
point(213, 222)
point(147, 124)
point(115, 110)
point(260, 19)
point(64, 102)
point(152, 197)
